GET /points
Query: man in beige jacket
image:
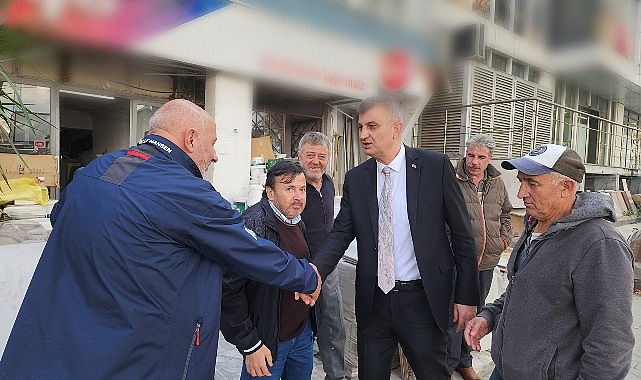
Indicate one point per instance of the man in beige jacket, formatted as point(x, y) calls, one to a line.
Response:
point(489, 208)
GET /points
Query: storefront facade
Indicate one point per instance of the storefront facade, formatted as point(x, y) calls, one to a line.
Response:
point(256, 71)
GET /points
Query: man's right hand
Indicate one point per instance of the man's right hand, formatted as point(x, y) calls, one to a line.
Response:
point(310, 299)
point(257, 362)
point(476, 329)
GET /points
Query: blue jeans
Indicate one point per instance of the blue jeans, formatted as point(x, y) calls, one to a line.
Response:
point(495, 375)
point(295, 359)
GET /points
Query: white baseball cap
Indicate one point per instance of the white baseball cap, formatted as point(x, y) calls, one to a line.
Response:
point(547, 158)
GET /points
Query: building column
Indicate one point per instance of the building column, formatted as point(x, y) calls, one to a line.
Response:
point(617, 157)
point(412, 111)
point(229, 99)
point(332, 118)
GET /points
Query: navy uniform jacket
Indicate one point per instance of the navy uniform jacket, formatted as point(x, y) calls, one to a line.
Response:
point(129, 283)
point(434, 201)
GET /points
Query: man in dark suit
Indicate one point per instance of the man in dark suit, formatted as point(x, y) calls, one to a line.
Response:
point(399, 205)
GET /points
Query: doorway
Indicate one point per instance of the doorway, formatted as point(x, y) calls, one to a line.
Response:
point(141, 112)
point(592, 125)
point(90, 125)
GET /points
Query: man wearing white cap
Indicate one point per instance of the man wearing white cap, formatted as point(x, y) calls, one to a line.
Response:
point(566, 312)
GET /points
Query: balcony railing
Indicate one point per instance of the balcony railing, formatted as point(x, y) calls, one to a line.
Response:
point(518, 125)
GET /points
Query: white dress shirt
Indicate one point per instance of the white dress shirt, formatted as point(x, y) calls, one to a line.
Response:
point(405, 267)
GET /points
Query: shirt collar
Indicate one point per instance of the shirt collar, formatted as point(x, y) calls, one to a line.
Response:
point(172, 151)
point(397, 163)
point(282, 217)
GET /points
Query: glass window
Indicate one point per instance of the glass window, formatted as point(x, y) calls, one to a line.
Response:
point(518, 69)
point(488, 55)
point(558, 91)
point(499, 62)
point(630, 138)
point(520, 17)
point(570, 96)
point(34, 139)
point(559, 114)
point(269, 124)
point(502, 13)
point(482, 7)
point(631, 118)
point(584, 97)
point(602, 107)
point(539, 15)
point(533, 75)
point(568, 117)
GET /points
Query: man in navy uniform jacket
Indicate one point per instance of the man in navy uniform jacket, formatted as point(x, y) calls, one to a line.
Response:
point(129, 283)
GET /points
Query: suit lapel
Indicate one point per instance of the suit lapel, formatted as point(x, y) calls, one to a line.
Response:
point(413, 171)
point(372, 196)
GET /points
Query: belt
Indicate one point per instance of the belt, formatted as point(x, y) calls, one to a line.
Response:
point(407, 285)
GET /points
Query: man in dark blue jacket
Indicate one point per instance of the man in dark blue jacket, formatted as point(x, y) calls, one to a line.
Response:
point(129, 283)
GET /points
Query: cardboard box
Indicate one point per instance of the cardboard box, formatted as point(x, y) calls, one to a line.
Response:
point(516, 217)
point(619, 202)
point(262, 147)
point(37, 166)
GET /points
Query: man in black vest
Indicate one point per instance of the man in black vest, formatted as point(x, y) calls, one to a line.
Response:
point(313, 154)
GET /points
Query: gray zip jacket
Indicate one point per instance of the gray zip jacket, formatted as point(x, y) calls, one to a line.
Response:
point(567, 312)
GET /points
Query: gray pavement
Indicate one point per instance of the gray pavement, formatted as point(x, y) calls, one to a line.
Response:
point(229, 360)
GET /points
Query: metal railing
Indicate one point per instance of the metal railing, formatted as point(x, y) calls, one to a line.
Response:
point(533, 121)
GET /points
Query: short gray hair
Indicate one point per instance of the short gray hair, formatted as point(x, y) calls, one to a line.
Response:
point(482, 141)
point(314, 138)
point(558, 178)
point(390, 103)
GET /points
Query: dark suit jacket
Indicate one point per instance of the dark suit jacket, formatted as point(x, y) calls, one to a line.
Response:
point(434, 201)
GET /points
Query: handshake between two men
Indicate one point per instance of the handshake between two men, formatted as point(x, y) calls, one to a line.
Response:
point(310, 299)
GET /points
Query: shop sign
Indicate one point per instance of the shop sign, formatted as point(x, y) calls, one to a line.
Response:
point(396, 69)
point(103, 23)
